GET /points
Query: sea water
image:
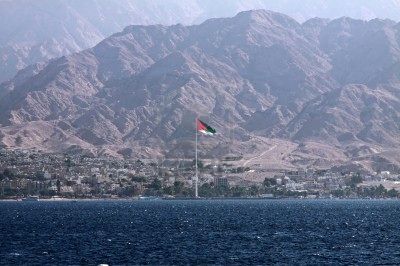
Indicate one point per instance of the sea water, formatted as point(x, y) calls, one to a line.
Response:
point(230, 232)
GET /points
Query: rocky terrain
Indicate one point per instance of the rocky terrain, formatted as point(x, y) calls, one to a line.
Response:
point(324, 93)
point(33, 32)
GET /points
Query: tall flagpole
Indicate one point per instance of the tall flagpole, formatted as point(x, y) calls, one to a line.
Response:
point(196, 191)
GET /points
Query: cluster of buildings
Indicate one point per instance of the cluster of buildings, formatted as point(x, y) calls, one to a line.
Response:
point(26, 172)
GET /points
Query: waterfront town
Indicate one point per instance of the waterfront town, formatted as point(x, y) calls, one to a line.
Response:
point(26, 173)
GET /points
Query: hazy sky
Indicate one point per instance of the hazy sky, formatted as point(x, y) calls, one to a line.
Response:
point(196, 11)
point(363, 9)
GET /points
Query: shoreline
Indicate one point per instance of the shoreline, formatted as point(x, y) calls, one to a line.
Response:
point(188, 199)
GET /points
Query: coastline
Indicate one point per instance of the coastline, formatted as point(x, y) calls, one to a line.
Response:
point(189, 199)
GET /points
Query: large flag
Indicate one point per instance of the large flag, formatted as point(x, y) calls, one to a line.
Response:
point(204, 128)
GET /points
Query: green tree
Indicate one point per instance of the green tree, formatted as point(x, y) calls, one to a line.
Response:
point(339, 193)
point(178, 187)
point(222, 191)
point(381, 191)
point(269, 182)
point(8, 173)
point(138, 179)
point(156, 184)
point(68, 162)
point(254, 191)
point(169, 190)
point(206, 190)
point(238, 191)
point(39, 176)
point(354, 180)
point(392, 193)
point(375, 192)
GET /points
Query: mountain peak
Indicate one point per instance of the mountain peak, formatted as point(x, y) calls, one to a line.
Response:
point(267, 18)
point(143, 87)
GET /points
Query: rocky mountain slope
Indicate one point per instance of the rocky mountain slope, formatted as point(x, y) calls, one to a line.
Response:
point(327, 90)
point(33, 32)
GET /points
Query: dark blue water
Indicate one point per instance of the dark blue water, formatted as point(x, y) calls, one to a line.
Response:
point(200, 232)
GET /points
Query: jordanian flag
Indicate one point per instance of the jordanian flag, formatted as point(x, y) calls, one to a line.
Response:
point(204, 128)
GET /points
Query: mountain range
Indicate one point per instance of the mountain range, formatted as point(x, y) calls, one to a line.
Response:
point(322, 93)
point(32, 32)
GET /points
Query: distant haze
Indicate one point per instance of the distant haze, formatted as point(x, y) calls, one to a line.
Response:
point(33, 31)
